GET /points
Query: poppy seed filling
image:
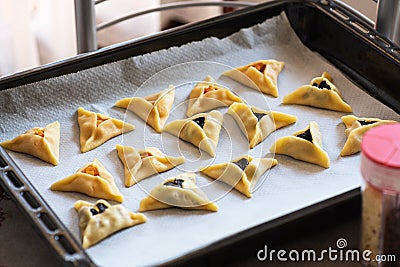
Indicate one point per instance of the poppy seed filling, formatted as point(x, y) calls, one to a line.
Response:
point(242, 163)
point(200, 121)
point(100, 209)
point(259, 115)
point(363, 123)
point(306, 135)
point(322, 85)
point(175, 182)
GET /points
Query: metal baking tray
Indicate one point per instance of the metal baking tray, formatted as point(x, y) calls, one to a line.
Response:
point(336, 32)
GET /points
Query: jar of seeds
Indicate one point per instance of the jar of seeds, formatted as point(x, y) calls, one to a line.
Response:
point(380, 168)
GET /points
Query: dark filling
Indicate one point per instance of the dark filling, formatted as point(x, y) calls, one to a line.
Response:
point(306, 135)
point(176, 183)
point(200, 121)
point(259, 115)
point(242, 163)
point(322, 85)
point(101, 208)
point(366, 122)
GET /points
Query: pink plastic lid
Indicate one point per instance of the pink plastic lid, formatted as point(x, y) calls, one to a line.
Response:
point(380, 159)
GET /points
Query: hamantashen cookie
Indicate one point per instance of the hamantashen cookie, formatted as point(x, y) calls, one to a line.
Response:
point(261, 75)
point(93, 180)
point(43, 143)
point(320, 93)
point(95, 129)
point(241, 173)
point(257, 124)
point(178, 191)
point(142, 163)
point(305, 145)
point(355, 129)
point(153, 109)
point(100, 220)
point(208, 95)
point(202, 130)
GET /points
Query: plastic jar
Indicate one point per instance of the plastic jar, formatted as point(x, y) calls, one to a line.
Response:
point(380, 168)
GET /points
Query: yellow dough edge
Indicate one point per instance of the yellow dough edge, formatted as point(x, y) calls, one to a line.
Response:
point(93, 186)
point(257, 131)
point(150, 203)
point(251, 77)
point(98, 228)
point(199, 102)
point(308, 95)
point(223, 172)
point(257, 170)
point(157, 164)
point(309, 152)
point(190, 132)
point(122, 152)
point(249, 128)
point(282, 119)
point(270, 123)
point(353, 142)
point(212, 129)
point(136, 218)
point(155, 114)
point(230, 174)
point(205, 138)
point(40, 147)
point(240, 77)
point(146, 167)
point(144, 109)
point(274, 68)
point(92, 136)
point(163, 107)
point(123, 103)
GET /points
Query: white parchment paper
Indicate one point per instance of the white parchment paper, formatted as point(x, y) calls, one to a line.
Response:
point(168, 234)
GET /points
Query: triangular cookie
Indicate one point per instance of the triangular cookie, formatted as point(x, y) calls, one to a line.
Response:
point(100, 220)
point(93, 180)
point(305, 145)
point(355, 129)
point(95, 129)
point(208, 95)
point(43, 143)
point(140, 164)
point(202, 130)
point(261, 75)
point(320, 93)
point(153, 109)
point(241, 173)
point(257, 124)
point(179, 191)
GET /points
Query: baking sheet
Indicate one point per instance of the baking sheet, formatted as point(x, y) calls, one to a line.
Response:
point(171, 233)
